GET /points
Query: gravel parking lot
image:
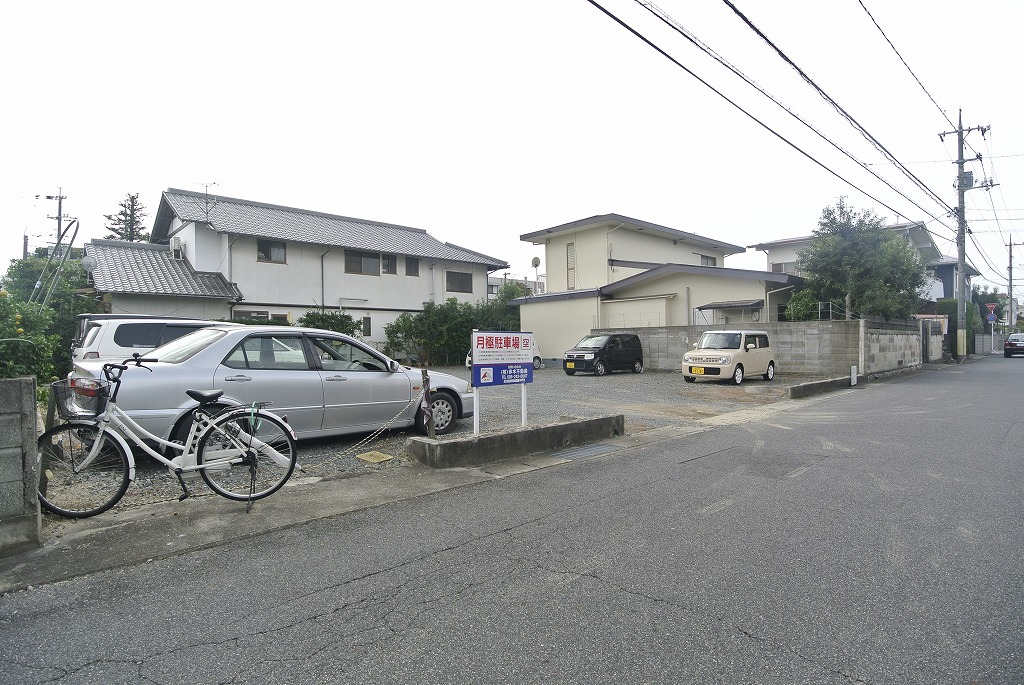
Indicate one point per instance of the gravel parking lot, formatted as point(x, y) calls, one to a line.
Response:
point(648, 400)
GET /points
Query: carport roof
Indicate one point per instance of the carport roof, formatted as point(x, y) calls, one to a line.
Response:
point(734, 304)
point(554, 297)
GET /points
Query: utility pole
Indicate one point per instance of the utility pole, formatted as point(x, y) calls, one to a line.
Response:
point(24, 247)
point(1012, 318)
point(964, 182)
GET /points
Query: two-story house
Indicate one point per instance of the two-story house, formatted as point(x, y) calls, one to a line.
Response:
point(253, 260)
point(614, 271)
point(941, 281)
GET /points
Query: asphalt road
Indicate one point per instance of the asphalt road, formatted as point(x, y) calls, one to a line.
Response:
point(872, 537)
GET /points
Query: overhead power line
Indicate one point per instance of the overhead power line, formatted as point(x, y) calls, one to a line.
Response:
point(669, 21)
point(918, 80)
point(846, 115)
point(725, 97)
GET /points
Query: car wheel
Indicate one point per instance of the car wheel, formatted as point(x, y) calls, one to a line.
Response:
point(689, 379)
point(737, 375)
point(638, 366)
point(599, 368)
point(536, 362)
point(445, 413)
point(769, 375)
point(570, 372)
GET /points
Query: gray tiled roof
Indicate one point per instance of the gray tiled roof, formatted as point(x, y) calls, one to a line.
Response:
point(149, 269)
point(260, 220)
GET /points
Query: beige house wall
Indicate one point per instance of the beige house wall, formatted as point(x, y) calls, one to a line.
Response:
point(690, 291)
point(558, 325)
point(595, 246)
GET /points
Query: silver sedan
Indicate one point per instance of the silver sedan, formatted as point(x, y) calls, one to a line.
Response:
point(325, 383)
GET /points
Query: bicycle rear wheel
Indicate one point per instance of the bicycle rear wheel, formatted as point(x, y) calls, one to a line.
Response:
point(67, 489)
point(248, 456)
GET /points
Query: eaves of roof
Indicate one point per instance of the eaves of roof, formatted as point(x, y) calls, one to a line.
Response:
point(278, 222)
point(538, 237)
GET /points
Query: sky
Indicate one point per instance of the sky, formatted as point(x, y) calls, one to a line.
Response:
point(483, 120)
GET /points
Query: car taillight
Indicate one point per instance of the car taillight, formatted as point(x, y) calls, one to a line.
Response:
point(91, 355)
point(85, 387)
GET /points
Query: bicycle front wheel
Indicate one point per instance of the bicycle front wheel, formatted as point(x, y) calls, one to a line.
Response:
point(246, 455)
point(68, 488)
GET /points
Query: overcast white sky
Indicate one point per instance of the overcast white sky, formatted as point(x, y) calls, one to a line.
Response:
point(481, 120)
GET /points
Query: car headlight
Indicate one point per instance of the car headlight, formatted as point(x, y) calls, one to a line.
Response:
point(588, 356)
point(724, 360)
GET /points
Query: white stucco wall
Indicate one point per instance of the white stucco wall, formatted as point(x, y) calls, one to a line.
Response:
point(785, 253)
point(297, 281)
point(169, 306)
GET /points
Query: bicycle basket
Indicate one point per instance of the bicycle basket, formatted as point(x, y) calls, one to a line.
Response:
point(80, 398)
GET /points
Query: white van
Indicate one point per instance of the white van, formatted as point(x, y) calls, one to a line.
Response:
point(118, 337)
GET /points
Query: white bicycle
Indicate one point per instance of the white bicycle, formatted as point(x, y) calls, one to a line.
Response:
point(86, 464)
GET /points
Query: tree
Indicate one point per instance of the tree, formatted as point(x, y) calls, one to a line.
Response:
point(26, 345)
point(440, 333)
point(853, 254)
point(981, 295)
point(127, 223)
point(70, 297)
point(339, 322)
point(803, 306)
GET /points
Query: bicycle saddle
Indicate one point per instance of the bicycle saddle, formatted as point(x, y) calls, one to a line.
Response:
point(205, 396)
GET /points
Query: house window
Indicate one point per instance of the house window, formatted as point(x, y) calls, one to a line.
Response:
point(705, 260)
point(366, 263)
point(412, 266)
point(389, 264)
point(784, 267)
point(279, 318)
point(272, 251)
point(570, 266)
point(458, 282)
point(366, 327)
point(492, 290)
point(244, 314)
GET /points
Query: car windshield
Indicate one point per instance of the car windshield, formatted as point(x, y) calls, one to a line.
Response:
point(1017, 337)
point(593, 341)
point(719, 341)
point(184, 347)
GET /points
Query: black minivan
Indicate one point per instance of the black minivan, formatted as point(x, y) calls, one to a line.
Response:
point(603, 353)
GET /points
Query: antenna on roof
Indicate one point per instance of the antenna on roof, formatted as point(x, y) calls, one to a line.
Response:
point(208, 203)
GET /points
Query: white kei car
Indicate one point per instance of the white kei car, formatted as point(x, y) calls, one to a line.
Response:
point(730, 355)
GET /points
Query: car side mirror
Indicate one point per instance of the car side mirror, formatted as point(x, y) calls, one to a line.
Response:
point(693, 344)
point(750, 346)
point(393, 366)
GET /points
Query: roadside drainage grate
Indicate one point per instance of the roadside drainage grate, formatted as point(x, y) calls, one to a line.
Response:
point(584, 451)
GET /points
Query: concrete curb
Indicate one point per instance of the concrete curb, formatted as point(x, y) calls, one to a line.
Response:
point(817, 387)
point(475, 450)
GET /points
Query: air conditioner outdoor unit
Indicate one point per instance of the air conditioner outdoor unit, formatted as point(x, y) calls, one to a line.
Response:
point(177, 247)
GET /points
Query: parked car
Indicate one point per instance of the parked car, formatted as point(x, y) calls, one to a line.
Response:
point(731, 355)
point(326, 383)
point(533, 348)
point(604, 353)
point(1014, 344)
point(117, 336)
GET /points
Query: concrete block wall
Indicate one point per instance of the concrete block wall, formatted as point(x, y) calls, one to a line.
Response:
point(885, 350)
point(19, 507)
point(935, 347)
point(820, 348)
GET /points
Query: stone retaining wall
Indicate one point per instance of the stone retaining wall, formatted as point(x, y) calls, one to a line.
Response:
point(19, 507)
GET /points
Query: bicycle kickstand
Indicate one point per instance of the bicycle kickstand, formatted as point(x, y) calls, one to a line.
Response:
point(185, 494)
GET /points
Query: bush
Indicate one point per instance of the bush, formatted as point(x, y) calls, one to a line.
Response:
point(28, 346)
point(339, 322)
point(803, 306)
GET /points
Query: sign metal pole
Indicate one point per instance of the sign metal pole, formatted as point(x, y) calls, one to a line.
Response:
point(522, 387)
point(476, 410)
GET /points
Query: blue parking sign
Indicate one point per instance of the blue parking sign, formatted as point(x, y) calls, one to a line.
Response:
point(485, 375)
